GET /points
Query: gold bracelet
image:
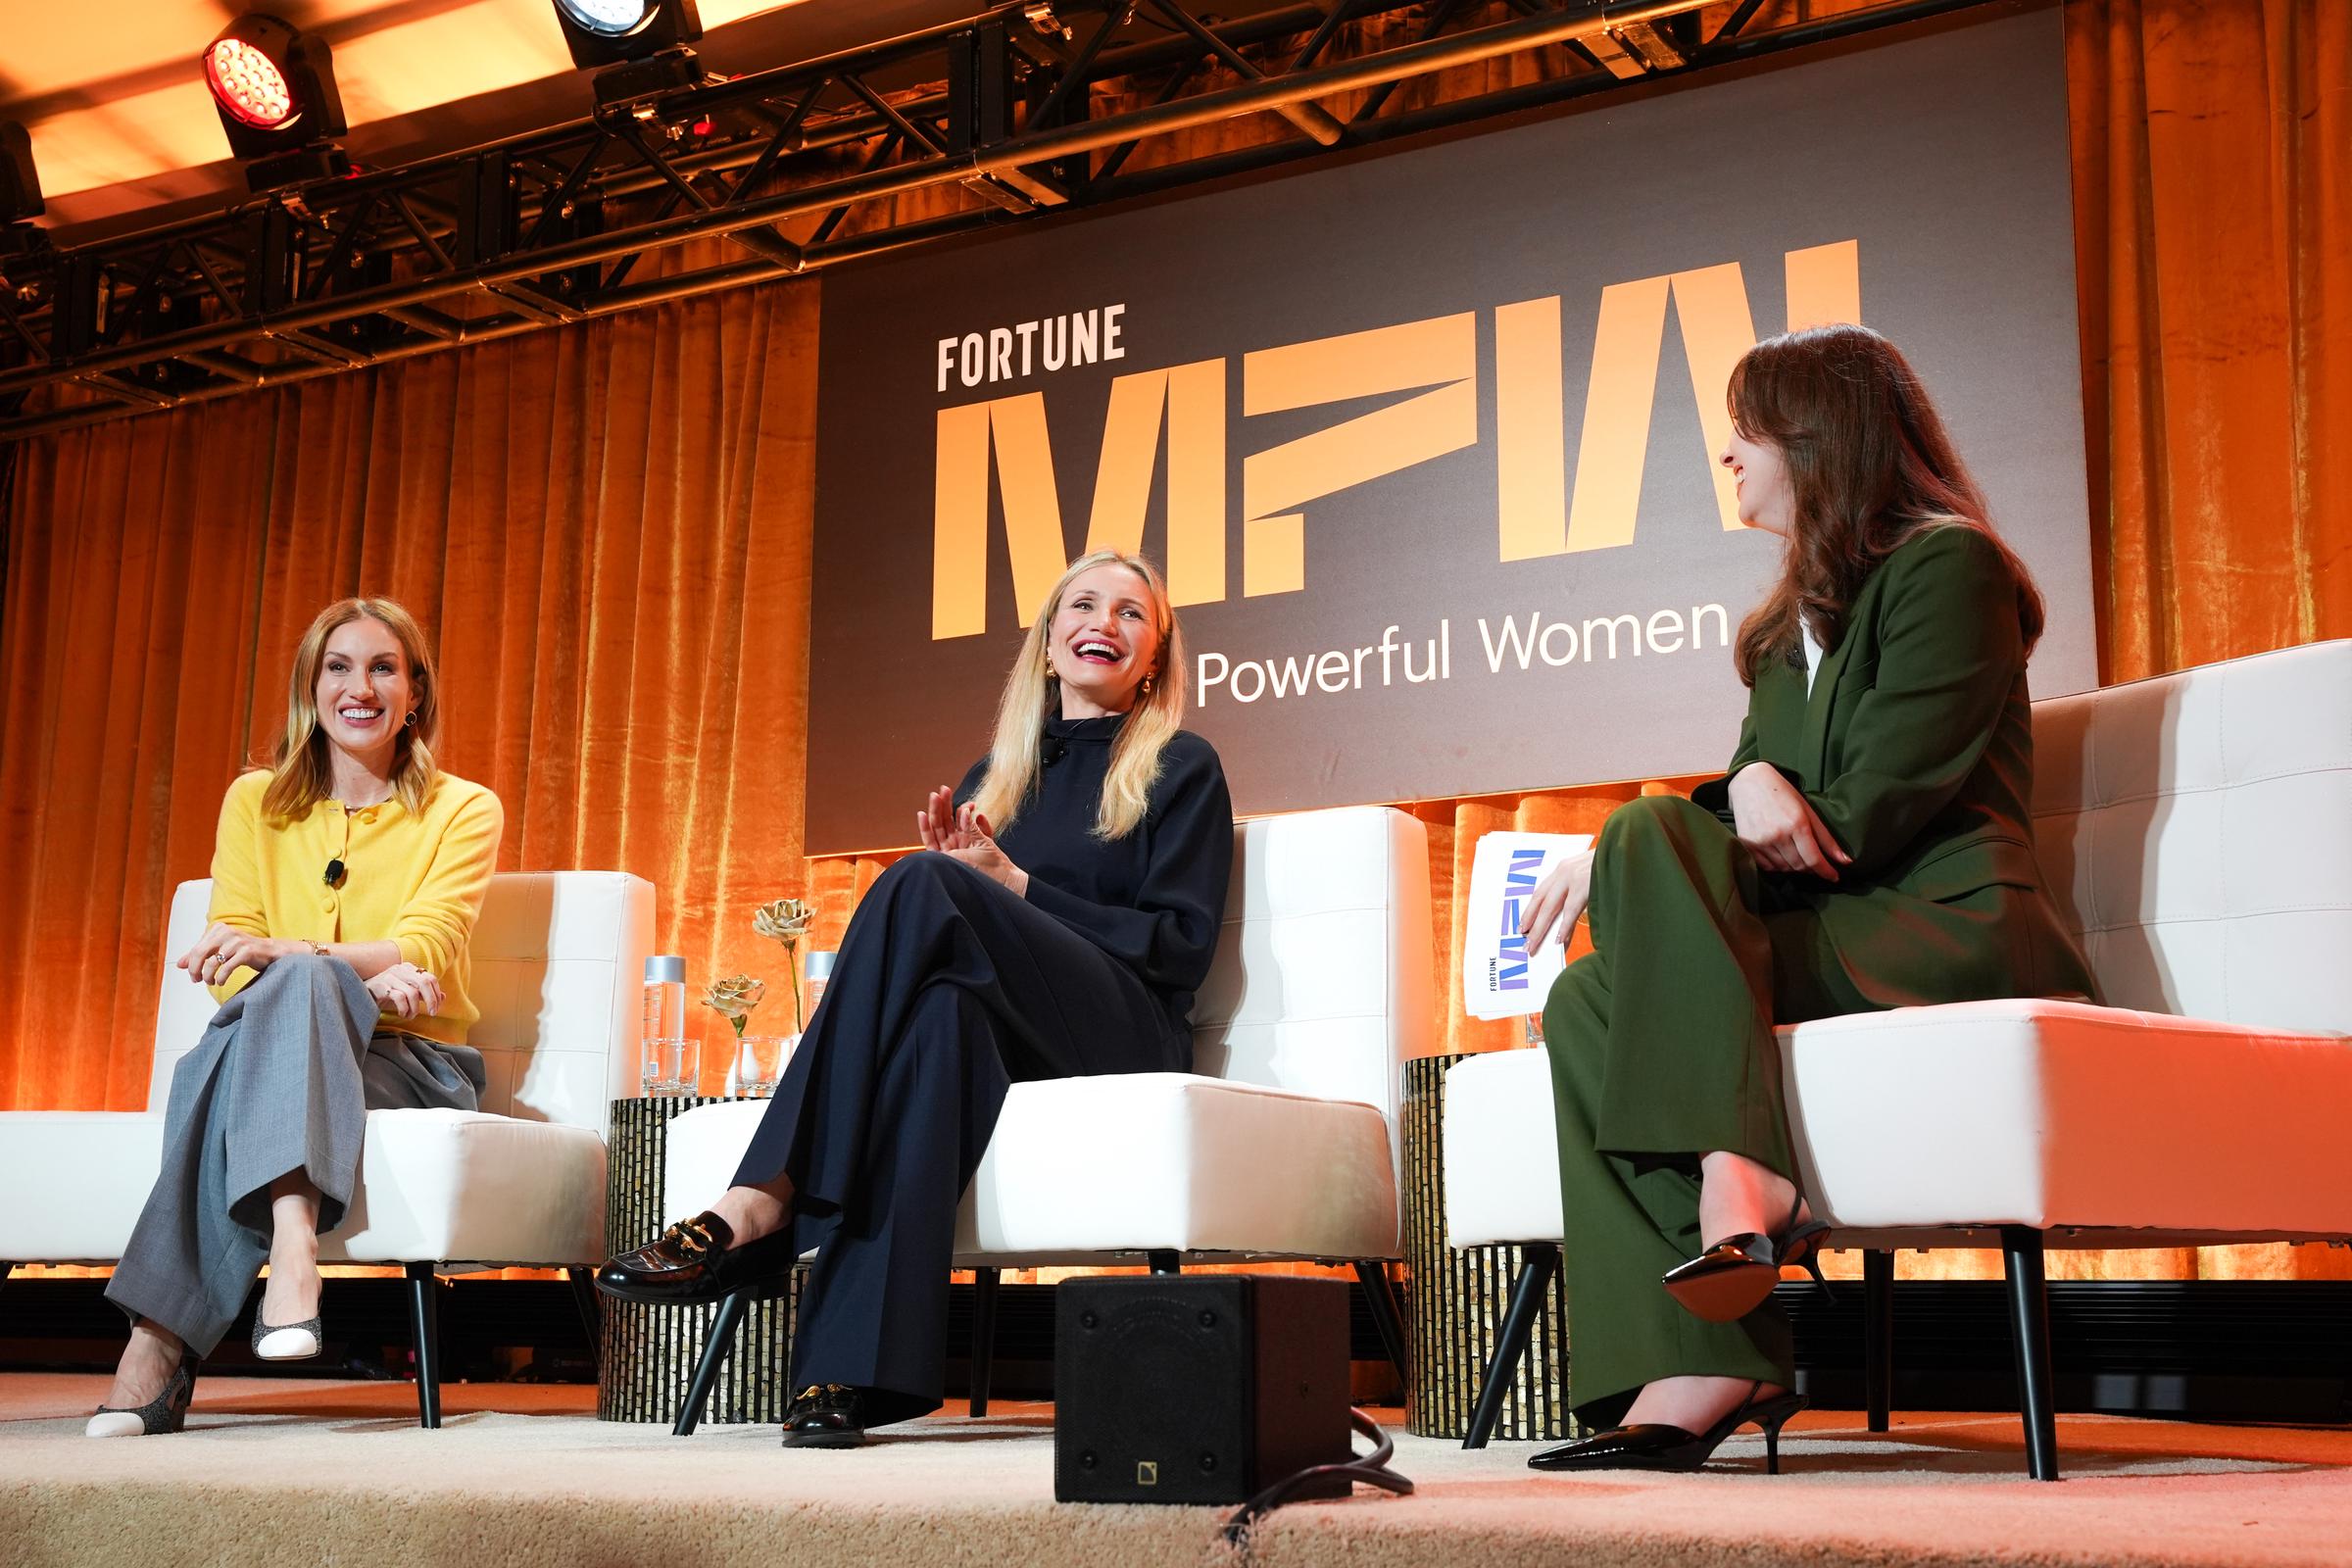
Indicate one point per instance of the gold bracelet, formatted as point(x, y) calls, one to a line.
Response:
point(317, 951)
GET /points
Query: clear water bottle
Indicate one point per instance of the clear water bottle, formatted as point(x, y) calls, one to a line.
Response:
point(665, 997)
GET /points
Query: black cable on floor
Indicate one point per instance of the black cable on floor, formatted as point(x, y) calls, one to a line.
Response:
point(1372, 1469)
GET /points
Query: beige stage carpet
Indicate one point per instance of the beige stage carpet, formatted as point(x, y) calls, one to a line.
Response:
point(305, 1473)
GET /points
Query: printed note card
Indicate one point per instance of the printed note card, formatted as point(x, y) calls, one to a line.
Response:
point(1500, 977)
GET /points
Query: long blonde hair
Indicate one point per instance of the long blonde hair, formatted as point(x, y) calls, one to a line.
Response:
point(298, 775)
point(1032, 695)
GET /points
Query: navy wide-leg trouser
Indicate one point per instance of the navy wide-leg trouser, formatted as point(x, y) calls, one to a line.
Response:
point(948, 990)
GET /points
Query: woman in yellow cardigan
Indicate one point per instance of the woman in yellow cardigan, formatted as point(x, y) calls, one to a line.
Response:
point(346, 881)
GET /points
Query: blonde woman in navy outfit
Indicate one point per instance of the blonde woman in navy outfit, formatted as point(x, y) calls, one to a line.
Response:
point(1061, 913)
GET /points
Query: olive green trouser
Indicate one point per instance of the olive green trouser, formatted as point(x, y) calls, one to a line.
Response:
point(1662, 1050)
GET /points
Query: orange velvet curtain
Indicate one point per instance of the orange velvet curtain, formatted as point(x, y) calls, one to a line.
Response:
point(606, 532)
point(2213, 238)
point(607, 529)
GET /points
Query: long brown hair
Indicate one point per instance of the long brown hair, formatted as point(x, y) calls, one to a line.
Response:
point(298, 775)
point(1032, 695)
point(1870, 465)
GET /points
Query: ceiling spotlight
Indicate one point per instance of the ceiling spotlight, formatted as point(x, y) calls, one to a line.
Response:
point(20, 194)
point(275, 88)
point(605, 33)
point(20, 181)
point(641, 43)
point(611, 18)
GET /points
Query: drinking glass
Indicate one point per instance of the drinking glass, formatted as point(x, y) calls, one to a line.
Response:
point(759, 1061)
point(672, 1064)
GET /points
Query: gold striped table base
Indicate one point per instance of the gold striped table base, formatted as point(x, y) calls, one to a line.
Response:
point(1460, 1298)
point(648, 1356)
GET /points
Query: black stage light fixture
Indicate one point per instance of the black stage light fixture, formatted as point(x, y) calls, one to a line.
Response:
point(640, 43)
point(275, 89)
point(20, 181)
point(19, 193)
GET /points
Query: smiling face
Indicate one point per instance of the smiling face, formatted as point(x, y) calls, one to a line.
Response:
point(364, 692)
point(1103, 641)
point(1767, 499)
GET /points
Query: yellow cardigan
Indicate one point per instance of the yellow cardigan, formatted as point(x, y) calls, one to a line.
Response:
point(415, 880)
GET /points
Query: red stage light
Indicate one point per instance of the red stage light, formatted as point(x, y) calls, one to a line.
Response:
point(274, 86)
point(249, 84)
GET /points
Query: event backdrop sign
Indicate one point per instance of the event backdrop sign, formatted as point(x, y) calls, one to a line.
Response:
point(1425, 442)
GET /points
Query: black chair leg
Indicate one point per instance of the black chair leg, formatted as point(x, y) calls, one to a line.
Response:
point(715, 1355)
point(1380, 1292)
point(1166, 1261)
point(582, 1281)
point(1543, 1261)
point(984, 1335)
point(2029, 1329)
point(425, 1323)
point(1878, 1335)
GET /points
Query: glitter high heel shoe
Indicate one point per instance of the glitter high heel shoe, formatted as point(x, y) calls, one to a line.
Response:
point(168, 1411)
point(288, 1342)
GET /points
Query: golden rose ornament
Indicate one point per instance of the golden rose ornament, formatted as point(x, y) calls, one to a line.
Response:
point(733, 999)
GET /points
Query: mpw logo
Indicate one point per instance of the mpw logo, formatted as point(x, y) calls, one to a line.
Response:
point(1538, 511)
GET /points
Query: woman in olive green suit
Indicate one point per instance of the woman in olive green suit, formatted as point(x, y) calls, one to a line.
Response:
point(1869, 847)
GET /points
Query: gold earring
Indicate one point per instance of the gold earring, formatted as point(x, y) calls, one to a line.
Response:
point(1147, 688)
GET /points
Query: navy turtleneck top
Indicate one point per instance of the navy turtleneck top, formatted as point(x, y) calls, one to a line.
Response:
point(1152, 900)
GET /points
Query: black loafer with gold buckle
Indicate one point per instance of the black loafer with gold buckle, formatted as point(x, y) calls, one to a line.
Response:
point(826, 1415)
point(696, 1260)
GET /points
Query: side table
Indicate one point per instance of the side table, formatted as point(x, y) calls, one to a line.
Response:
point(1460, 1297)
point(645, 1359)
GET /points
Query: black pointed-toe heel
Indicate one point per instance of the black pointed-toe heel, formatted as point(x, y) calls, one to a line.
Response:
point(1731, 1279)
point(165, 1413)
point(1655, 1445)
point(696, 1260)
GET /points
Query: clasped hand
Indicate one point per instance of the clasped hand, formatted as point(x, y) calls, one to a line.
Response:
point(962, 833)
point(1779, 826)
point(224, 950)
point(1776, 823)
point(407, 990)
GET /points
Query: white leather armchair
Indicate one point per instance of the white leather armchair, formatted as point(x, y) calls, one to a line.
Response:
point(559, 961)
point(2197, 831)
point(1281, 1143)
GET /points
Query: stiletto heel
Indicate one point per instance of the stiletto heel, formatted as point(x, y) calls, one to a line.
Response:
point(1772, 1439)
point(1658, 1446)
point(1731, 1279)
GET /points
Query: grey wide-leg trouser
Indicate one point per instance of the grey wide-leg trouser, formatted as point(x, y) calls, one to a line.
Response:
point(282, 1081)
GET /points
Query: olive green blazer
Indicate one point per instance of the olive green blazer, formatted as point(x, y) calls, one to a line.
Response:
point(1916, 747)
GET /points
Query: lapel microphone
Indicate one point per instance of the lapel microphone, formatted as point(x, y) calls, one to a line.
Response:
point(1055, 750)
point(334, 873)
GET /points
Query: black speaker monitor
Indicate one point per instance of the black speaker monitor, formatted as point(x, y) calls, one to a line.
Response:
point(1202, 1390)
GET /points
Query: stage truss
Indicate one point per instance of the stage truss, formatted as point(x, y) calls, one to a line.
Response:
point(1026, 108)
